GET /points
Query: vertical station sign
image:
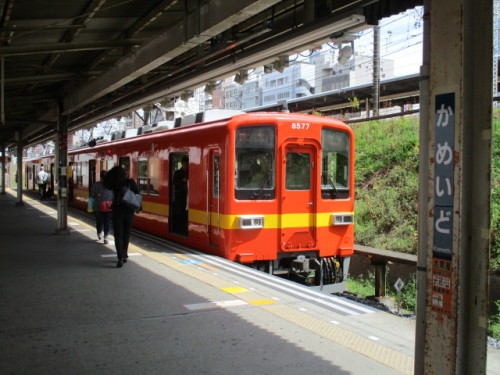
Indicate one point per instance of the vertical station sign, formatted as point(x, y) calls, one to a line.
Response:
point(444, 171)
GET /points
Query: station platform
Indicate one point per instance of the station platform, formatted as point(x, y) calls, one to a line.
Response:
point(67, 309)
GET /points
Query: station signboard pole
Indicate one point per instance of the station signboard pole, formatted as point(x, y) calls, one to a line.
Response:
point(457, 210)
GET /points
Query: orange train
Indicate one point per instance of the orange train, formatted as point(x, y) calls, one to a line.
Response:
point(272, 190)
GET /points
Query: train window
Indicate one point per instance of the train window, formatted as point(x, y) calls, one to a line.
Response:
point(149, 175)
point(142, 175)
point(125, 163)
point(255, 160)
point(78, 173)
point(298, 171)
point(216, 176)
point(335, 164)
point(154, 176)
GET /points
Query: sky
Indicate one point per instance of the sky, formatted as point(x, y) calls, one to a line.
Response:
point(400, 41)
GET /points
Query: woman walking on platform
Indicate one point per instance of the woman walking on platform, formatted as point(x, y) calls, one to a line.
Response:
point(102, 207)
point(123, 217)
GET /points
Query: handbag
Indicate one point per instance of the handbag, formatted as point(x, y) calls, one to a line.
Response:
point(132, 200)
point(90, 204)
point(105, 206)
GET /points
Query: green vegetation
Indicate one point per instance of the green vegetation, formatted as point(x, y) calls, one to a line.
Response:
point(494, 327)
point(362, 286)
point(387, 197)
point(387, 184)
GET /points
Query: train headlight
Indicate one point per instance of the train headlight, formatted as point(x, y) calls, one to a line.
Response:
point(251, 221)
point(344, 218)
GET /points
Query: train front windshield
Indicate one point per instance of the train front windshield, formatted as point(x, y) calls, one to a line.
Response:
point(335, 164)
point(255, 160)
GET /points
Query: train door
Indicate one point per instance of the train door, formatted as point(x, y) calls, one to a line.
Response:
point(33, 178)
point(50, 189)
point(213, 197)
point(179, 189)
point(28, 178)
point(92, 174)
point(298, 206)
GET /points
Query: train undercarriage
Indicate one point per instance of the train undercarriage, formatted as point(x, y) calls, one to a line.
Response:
point(328, 274)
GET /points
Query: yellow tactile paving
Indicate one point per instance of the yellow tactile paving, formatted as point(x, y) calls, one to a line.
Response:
point(181, 256)
point(259, 302)
point(207, 266)
point(235, 289)
point(357, 343)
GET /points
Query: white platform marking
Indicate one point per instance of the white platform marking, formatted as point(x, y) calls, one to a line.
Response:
point(217, 304)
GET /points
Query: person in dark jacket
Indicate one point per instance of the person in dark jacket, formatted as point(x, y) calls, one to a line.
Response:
point(102, 211)
point(123, 217)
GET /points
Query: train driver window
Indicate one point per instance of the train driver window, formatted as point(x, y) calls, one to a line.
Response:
point(298, 171)
point(335, 164)
point(254, 164)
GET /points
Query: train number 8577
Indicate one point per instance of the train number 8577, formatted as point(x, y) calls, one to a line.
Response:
point(300, 125)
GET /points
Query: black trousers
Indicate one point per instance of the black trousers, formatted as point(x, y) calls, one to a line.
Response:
point(43, 191)
point(123, 218)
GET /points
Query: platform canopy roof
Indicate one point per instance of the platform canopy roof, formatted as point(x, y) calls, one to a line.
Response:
point(92, 60)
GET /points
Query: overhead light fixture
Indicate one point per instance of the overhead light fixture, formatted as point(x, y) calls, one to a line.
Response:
point(186, 95)
point(167, 102)
point(345, 54)
point(281, 63)
point(241, 77)
point(210, 87)
point(268, 68)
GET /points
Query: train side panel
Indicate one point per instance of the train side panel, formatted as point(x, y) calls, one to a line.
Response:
point(275, 189)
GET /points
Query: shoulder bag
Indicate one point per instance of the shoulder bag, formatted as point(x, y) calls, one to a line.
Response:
point(105, 206)
point(132, 200)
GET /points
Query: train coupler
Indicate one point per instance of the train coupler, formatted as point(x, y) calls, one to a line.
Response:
point(305, 270)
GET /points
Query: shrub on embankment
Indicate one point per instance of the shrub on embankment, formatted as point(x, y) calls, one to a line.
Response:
point(387, 185)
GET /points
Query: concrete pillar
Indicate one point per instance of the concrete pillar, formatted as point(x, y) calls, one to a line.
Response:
point(423, 181)
point(457, 210)
point(4, 167)
point(61, 172)
point(19, 180)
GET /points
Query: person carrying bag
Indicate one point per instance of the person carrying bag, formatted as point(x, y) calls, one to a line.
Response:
point(123, 215)
point(102, 200)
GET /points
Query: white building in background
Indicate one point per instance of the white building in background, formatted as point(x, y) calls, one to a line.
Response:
point(330, 75)
point(251, 95)
point(232, 94)
point(295, 81)
point(251, 91)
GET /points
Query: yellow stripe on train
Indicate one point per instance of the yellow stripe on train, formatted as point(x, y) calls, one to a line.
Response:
point(271, 221)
